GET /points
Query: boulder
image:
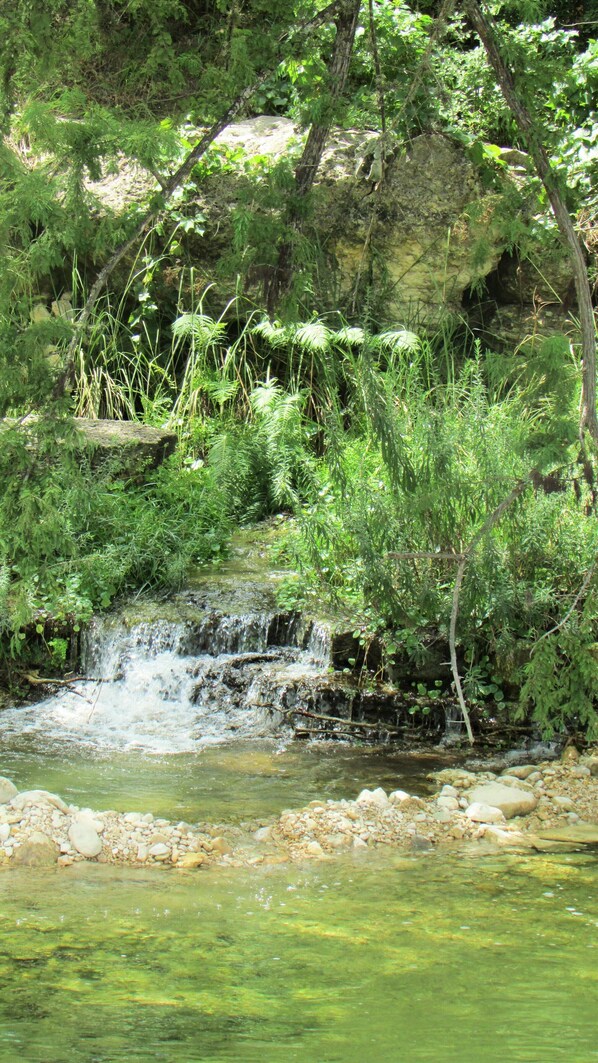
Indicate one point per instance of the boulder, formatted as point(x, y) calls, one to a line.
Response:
point(433, 228)
point(191, 860)
point(509, 799)
point(8, 790)
point(576, 834)
point(130, 447)
point(38, 851)
point(84, 837)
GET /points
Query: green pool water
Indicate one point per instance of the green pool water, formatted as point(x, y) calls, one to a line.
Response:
point(439, 958)
point(237, 781)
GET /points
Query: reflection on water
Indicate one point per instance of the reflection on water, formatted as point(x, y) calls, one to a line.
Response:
point(454, 959)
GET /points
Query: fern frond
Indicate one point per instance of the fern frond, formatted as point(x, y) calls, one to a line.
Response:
point(200, 327)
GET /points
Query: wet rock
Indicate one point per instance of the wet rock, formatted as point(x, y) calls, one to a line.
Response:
point(263, 834)
point(221, 846)
point(314, 849)
point(503, 837)
point(509, 799)
point(191, 860)
point(578, 834)
point(43, 798)
point(37, 851)
point(84, 837)
point(8, 790)
point(419, 844)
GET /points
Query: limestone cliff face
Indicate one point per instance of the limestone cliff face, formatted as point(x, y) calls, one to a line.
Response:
point(423, 237)
point(419, 240)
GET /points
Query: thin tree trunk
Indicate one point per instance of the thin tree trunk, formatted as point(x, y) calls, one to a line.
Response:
point(504, 76)
point(308, 165)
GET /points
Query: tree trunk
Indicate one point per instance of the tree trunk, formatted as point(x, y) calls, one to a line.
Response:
point(308, 165)
point(504, 76)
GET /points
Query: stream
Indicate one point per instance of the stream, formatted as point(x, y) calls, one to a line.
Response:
point(457, 956)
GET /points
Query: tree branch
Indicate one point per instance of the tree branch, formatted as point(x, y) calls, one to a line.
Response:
point(506, 81)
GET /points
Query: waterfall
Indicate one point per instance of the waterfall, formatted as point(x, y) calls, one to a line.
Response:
point(173, 686)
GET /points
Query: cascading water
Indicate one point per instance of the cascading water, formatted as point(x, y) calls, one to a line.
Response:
point(164, 686)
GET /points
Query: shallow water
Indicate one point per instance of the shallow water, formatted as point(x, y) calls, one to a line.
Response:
point(439, 958)
point(239, 781)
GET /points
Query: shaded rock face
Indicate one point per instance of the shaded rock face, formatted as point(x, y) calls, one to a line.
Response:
point(435, 235)
point(421, 241)
point(133, 448)
point(130, 449)
point(433, 232)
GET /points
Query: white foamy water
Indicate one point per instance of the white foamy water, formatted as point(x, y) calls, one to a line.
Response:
point(149, 694)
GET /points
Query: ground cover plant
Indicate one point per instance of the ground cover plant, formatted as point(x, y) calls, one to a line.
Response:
point(391, 446)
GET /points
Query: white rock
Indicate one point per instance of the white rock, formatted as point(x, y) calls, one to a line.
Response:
point(501, 837)
point(442, 815)
point(511, 800)
point(565, 803)
point(8, 790)
point(314, 849)
point(398, 796)
point(84, 837)
point(481, 813)
point(4, 832)
point(263, 834)
point(35, 798)
point(160, 851)
point(374, 797)
point(450, 803)
point(449, 791)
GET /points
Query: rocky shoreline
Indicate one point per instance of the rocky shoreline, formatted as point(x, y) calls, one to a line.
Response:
point(546, 806)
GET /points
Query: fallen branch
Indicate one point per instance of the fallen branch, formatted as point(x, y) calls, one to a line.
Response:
point(35, 680)
point(331, 719)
